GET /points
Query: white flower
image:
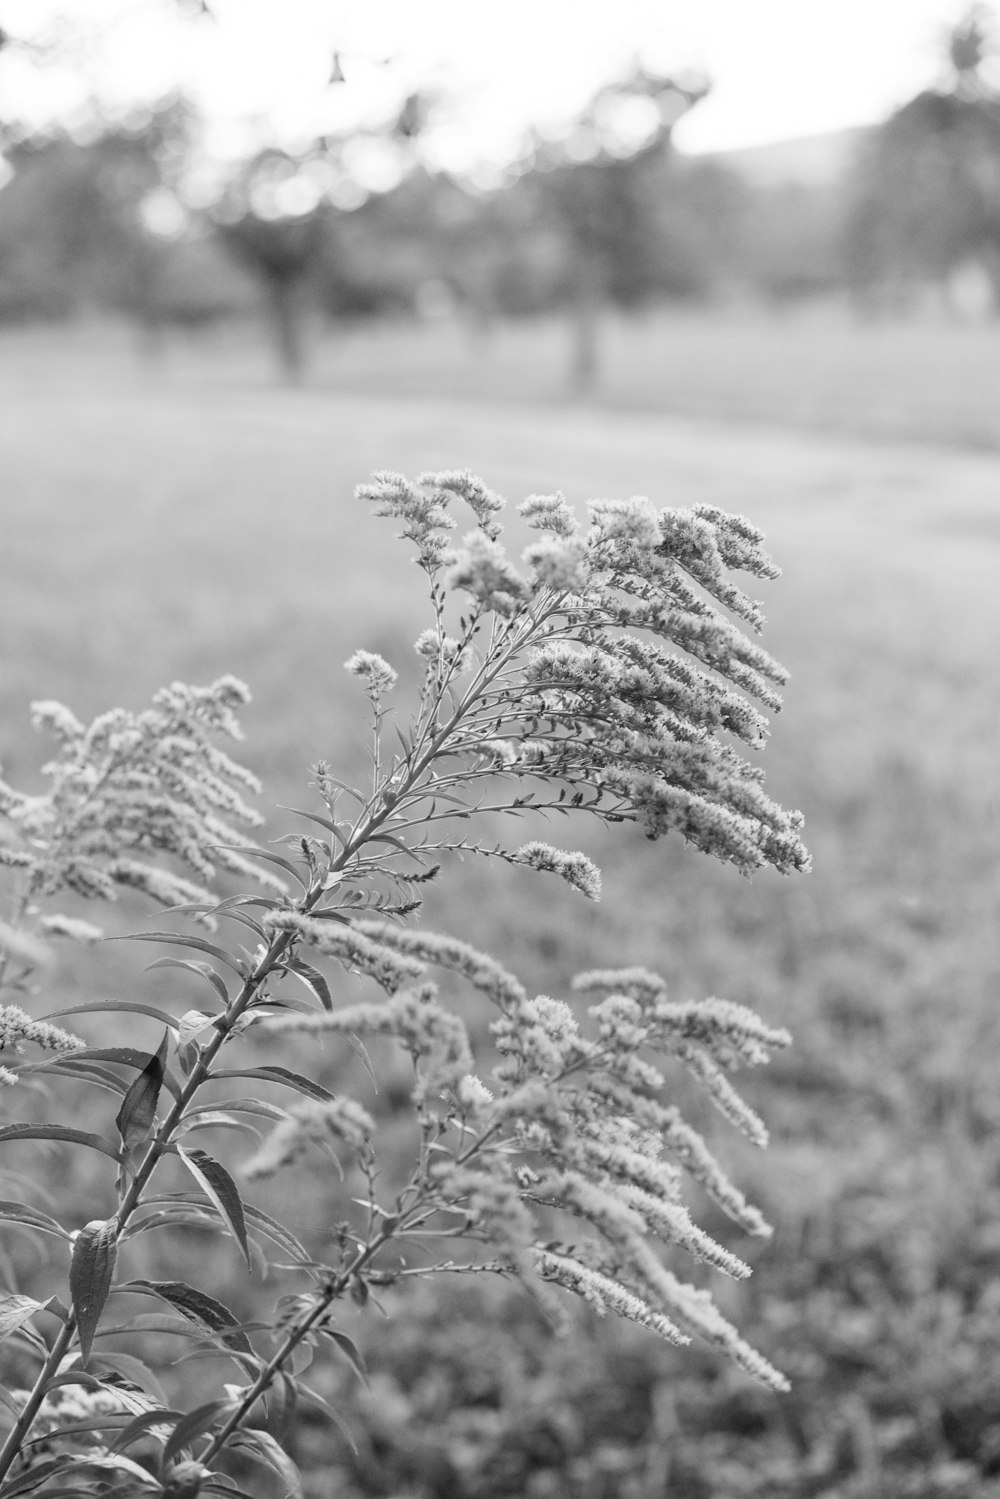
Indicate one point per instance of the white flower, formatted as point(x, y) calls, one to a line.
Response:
point(576, 869)
point(381, 676)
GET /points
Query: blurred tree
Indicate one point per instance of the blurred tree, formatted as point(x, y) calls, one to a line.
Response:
point(604, 186)
point(86, 221)
point(926, 191)
point(282, 213)
point(273, 220)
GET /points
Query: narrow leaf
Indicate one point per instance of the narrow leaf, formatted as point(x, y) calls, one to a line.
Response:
point(148, 1421)
point(58, 1132)
point(192, 1021)
point(197, 944)
point(282, 1075)
point(316, 817)
point(266, 856)
point(102, 1077)
point(122, 1056)
point(204, 1310)
point(219, 1119)
point(278, 1233)
point(90, 1273)
point(130, 1007)
point(253, 1106)
point(118, 1463)
point(20, 1212)
point(133, 1369)
point(313, 980)
point(220, 1188)
point(350, 1351)
point(306, 1392)
point(38, 1474)
point(202, 970)
point(150, 1322)
point(138, 1111)
point(260, 1445)
point(195, 1424)
point(15, 1311)
point(281, 1403)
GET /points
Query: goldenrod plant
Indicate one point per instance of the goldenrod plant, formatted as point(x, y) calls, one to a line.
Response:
point(603, 675)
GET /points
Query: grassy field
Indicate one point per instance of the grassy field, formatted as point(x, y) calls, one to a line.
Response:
point(815, 368)
point(195, 520)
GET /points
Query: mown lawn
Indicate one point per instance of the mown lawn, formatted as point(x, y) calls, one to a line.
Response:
point(194, 520)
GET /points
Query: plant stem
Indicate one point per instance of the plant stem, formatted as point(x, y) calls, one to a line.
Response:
point(291, 1341)
point(39, 1390)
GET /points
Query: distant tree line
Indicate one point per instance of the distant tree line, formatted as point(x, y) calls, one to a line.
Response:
point(607, 215)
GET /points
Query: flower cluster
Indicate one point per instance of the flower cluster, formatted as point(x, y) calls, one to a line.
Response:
point(151, 783)
point(576, 1119)
point(588, 1135)
point(16, 1027)
point(377, 672)
point(629, 680)
point(482, 568)
point(352, 946)
point(341, 1122)
point(576, 869)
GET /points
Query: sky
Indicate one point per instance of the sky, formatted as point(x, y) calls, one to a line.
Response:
point(780, 69)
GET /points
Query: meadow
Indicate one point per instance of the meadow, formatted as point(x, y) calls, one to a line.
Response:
point(192, 519)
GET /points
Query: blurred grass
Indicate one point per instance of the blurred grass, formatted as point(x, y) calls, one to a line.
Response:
point(193, 520)
point(814, 367)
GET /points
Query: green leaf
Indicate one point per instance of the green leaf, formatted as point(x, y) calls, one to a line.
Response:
point(152, 1322)
point(248, 921)
point(281, 1402)
point(196, 944)
point(201, 970)
point(396, 843)
point(316, 817)
point(122, 1056)
point(278, 1234)
point(130, 1007)
point(148, 1421)
point(15, 1311)
point(37, 1475)
point(132, 1369)
point(20, 1212)
point(76, 1375)
point(313, 980)
point(218, 1119)
point(261, 1447)
point(58, 1132)
point(210, 1315)
point(102, 1463)
point(90, 1273)
point(282, 1075)
point(306, 1392)
point(350, 1352)
point(195, 1424)
point(264, 854)
point(102, 1077)
point(192, 1021)
point(137, 1114)
point(221, 1190)
point(253, 1106)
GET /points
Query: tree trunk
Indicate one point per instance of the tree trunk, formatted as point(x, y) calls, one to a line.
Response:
point(587, 288)
point(286, 310)
point(148, 314)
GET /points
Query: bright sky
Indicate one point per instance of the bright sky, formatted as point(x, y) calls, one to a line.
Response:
point(780, 68)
